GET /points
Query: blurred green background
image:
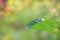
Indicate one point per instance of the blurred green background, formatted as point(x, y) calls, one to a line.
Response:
point(13, 26)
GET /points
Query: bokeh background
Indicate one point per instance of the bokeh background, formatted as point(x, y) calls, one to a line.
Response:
point(15, 14)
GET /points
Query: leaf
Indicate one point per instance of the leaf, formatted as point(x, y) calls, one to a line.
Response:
point(48, 25)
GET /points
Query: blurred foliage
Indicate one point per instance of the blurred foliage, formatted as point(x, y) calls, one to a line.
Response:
point(21, 12)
